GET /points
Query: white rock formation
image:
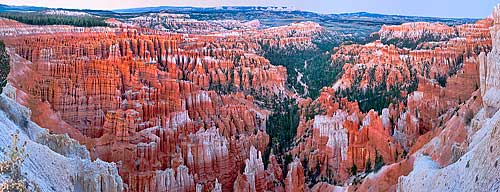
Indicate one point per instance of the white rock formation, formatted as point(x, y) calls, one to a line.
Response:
point(478, 169)
point(55, 162)
point(332, 128)
point(489, 69)
point(254, 168)
point(170, 180)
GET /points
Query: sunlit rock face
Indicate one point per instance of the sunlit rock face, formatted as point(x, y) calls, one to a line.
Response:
point(415, 31)
point(294, 180)
point(175, 112)
point(462, 156)
point(147, 102)
point(255, 177)
point(183, 23)
point(402, 128)
point(342, 137)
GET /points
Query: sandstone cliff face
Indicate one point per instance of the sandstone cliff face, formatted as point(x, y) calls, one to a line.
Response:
point(55, 162)
point(14, 28)
point(342, 137)
point(143, 101)
point(417, 30)
point(339, 138)
point(412, 35)
point(462, 156)
point(446, 161)
point(489, 68)
point(294, 180)
point(181, 112)
point(183, 23)
point(173, 113)
point(447, 72)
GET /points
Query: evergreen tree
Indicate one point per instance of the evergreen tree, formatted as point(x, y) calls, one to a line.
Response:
point(4, 66)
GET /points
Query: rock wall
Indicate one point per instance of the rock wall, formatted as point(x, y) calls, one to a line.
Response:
point(294, 180)
point(168, 110)
point(55, 162)
point(417, 30)
point(175, 112)
point(341, 138)
point(463, 156)
point(489, 69)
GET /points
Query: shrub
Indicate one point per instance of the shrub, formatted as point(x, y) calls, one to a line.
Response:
point(368, 166)
point(468, 116)
point(12, 168)
point(354, 169)
point(379, 162)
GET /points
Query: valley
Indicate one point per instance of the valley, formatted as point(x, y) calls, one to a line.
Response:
point(251, 99)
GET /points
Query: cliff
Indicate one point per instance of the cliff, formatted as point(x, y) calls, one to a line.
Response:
point(470, 162)
point(172, 113)
point(55, 162)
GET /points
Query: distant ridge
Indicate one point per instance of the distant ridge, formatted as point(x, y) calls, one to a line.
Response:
point(188, 8)
point(234, 9)
point(4, 7)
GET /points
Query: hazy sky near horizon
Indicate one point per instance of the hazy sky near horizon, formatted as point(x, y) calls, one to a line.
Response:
point(438, 8)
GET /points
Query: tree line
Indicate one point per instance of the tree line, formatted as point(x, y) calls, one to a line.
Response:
point(45, 19)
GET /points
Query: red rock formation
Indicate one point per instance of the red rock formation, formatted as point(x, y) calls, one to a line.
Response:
point(177, 112)
point(417, 30)
point(294, 180)
point(146, 101)
point(428, 110)
point(343, 137)
point(322, 186)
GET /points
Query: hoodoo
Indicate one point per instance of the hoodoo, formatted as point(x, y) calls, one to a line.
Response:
point(247, 99)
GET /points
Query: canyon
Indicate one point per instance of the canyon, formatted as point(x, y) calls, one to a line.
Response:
point(174, 102)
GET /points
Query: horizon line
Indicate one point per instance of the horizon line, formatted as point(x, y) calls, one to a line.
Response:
point(214, 7)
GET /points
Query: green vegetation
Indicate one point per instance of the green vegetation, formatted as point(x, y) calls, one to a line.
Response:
point(441, 79)
point(282, 128)
point(314, 63)
point(4, 66)
point(379, 96)
point(34, 18)
point(468, 116)
point(312, 110)
point(354, 169)
point(368, 166)
point(455, 67)
point(282, 125)
point(379, 162)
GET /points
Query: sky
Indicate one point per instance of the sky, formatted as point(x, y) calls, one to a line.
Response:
point(435, 8)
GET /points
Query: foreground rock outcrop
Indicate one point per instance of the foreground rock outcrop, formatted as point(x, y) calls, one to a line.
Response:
point(471, 136)
point(55, 162)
